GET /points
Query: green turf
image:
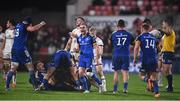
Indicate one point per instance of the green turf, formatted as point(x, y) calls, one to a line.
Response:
point(136, 91)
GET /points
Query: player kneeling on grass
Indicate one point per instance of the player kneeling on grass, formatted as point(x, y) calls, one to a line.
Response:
point(147, 42)
point(59, 72)
point(40, 72)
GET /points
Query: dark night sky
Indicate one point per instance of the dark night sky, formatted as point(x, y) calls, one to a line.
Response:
point(43, 5)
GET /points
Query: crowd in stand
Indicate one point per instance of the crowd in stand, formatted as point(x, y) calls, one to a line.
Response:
point(140, 7)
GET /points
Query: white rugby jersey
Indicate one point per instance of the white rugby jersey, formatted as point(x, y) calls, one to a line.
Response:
point(9, 36)
point(74, 43)
point(99, 42)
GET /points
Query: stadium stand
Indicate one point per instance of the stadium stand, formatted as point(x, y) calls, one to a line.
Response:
point(129, 7)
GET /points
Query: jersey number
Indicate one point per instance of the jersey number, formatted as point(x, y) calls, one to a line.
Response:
point(16, 33)
point(121, 42)
point(150, 43)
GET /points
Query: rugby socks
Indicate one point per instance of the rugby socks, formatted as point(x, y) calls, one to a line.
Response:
point(156, 88)
point(77, 83)
point(14, 78)
point(9, 77)
point(169, 79)
point(115, 88)
point(96, 79)
point(103, 80)
point(125, 85)
point(45, 82)
point(84, 82)
point(32, 77)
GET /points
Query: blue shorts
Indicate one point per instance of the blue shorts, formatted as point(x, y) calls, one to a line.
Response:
point(85, 62)
point(149, 67)
point(121, 62)
point(61, 60)
point(21, 56)
point(167, 57)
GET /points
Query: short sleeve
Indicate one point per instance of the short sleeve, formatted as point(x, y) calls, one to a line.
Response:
point(138, 38)
point(99, 42)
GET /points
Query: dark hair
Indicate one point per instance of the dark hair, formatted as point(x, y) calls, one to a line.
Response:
point(12, 21)
point(79, 17)
point(121, 23)
point(145, 26)
point(169, 20)
point(147, 21)
point(36, 63)
point(27, 20)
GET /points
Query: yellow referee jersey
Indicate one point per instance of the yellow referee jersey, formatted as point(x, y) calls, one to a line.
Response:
point(168, 42)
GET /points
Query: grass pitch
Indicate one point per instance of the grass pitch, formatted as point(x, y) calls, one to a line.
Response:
point(136, 91)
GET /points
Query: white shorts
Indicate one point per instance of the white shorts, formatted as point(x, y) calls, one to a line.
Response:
point(7, 55)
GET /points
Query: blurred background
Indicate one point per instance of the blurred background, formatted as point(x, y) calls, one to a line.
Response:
point(103, 14)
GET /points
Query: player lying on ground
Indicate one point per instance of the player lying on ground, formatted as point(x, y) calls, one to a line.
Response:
point(61, 79)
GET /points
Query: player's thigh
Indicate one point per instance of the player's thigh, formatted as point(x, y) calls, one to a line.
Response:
point(82, 71)
point(99, 68)
point(153, 75)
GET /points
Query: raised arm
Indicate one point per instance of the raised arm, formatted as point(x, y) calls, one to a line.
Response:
point(32, 28)
point(68, 45)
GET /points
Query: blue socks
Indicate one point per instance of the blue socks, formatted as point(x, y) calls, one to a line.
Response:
point(96, 79)
point(156, 88)
point(32, 78)
point(77, 83)
point(84, 82)
point(9, 77)
point(115, 88)
point(45, 82)
point(125, 85)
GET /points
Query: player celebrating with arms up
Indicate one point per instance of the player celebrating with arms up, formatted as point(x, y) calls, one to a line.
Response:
point(19, 50)
point(71, 45)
